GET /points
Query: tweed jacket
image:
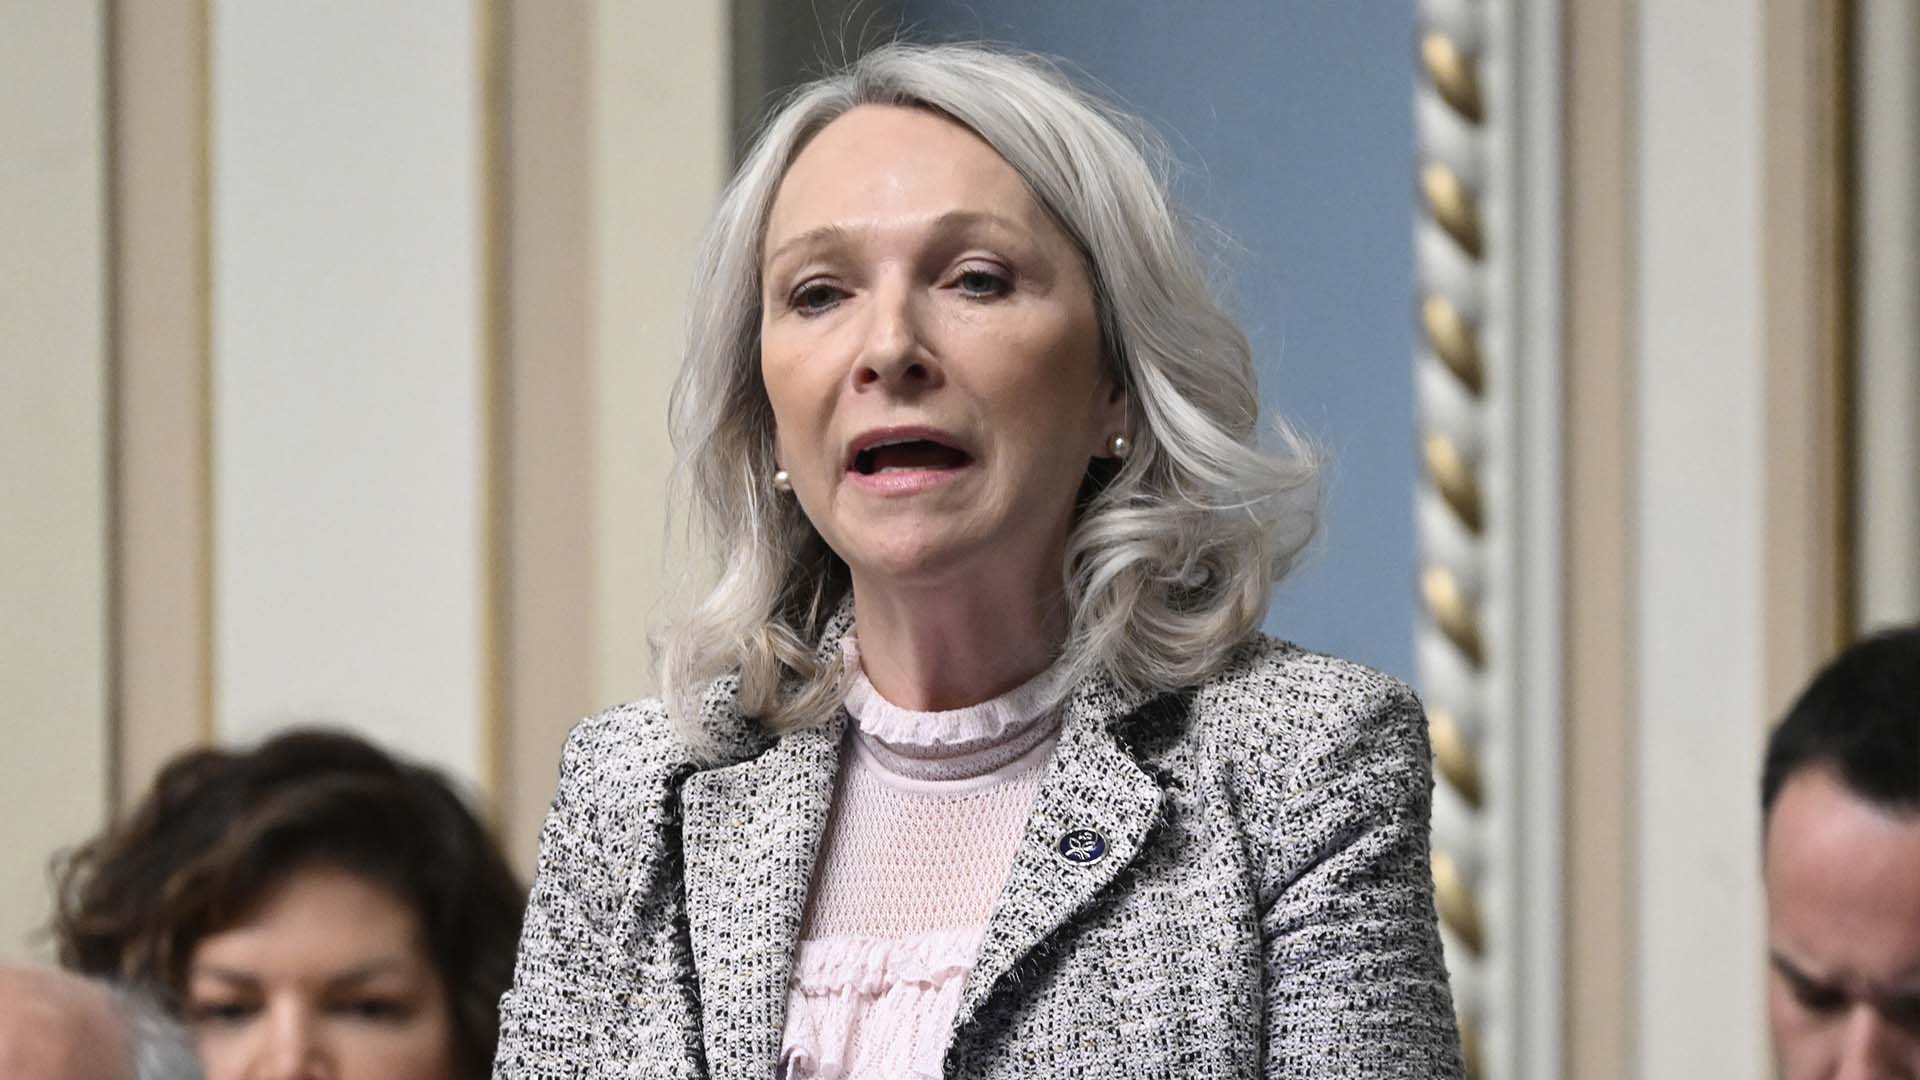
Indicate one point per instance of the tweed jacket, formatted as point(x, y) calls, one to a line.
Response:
point(1246, 892)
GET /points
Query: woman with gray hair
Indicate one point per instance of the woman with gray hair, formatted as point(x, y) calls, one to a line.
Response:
point(972, 762)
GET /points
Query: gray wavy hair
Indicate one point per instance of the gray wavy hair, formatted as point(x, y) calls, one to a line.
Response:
point(162, 1048)
point(1172, 554)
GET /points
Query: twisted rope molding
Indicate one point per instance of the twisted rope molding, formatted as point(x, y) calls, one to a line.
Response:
point(1486, 239)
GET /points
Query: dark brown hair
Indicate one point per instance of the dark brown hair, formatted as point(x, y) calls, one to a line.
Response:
point(221, 827)
point(1860, 717)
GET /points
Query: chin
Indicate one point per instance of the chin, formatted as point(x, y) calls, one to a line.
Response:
point(920, 563)
point(918, 567)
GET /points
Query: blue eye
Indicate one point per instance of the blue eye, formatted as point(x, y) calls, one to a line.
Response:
point(814, 298)
point(983, 283)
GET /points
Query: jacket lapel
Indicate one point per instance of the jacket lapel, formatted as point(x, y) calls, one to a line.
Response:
point(1093, 785)
point(750, 832)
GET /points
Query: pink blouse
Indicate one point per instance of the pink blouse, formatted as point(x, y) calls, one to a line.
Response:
point(928, 810)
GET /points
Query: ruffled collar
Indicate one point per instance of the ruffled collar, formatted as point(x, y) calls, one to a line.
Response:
point(948, 732)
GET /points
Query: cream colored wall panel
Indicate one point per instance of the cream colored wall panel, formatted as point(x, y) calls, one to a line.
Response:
point(1887, 399)
point(54, 772)
point(1699, 487)
point(663, 141)
point(348, 359)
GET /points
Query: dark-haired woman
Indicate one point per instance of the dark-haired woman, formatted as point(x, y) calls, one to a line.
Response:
point(311, 907)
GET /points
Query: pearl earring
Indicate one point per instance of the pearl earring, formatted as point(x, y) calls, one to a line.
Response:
point(781, 481)
point(1120, 446)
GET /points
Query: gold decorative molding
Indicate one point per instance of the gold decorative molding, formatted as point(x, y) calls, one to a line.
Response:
point(1470, 1048)
point(1453, 755)
point(1448, 606)
point(1455, 341)
point(1489, 73)
point(1452, 204)
point(1453, 477)
point(1448, 201)
point(1459, 908)
point(1453, 74)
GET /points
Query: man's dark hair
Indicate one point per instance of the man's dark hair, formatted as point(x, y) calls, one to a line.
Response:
point(1859, 717)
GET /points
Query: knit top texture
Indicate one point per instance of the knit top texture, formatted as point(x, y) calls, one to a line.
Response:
point(927, 813)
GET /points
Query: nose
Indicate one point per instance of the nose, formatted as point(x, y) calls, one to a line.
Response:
point(893, 354)
point(1871, 1048)
point(290, 1047)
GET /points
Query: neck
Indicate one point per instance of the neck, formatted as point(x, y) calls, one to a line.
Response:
point(947, 648)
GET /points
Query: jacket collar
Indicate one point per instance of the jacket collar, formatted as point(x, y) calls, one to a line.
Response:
point(751, 826)
point(1094, 785)
point(751, 830)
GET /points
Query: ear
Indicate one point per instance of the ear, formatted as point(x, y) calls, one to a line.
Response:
point(1111, 418)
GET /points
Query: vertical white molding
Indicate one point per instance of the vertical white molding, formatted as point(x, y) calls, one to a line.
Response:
point(1533, 627)
point(664, 145)
point(54, 489)
point(349, 380)
point(1489, 382)
point(1699, 476)
point(1887, 238)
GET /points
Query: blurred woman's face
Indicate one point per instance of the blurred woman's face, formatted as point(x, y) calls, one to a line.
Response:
point(931, 350)
point(328, 977)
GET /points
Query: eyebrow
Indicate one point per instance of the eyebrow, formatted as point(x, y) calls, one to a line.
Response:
point(349, 977)
point(1792, 971)
point(1907, 987)
point(951, 221)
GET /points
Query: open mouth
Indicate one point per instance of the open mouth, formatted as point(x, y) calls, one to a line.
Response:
point(907, 455)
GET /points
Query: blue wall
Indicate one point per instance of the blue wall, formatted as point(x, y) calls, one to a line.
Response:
point(1293, 121)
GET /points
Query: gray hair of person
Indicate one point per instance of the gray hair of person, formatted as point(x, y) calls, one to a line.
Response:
point(161, 1048)
point(1172, 554)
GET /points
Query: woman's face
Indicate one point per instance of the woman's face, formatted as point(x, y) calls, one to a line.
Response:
point(931, 350)
point(328, 977)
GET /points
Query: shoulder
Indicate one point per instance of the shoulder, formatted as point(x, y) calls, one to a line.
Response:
point(631, 749)
point(624, 737)
point(1286, 716)
point(1272, 690)
point(619, 756)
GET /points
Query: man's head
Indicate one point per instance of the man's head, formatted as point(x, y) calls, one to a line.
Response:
point(1840, 799)
point(56, 1026)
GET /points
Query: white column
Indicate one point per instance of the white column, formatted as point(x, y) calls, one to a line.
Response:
point(1700, 983)
point(349, 372)
point(663, 138)
point(53, 460)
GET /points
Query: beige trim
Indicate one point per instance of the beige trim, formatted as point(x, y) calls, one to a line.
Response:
point(494, 252)
point(161, 270)
point(209, 445)
point(1599, 537)
point(548, 479)
point(1808, 300)
point(1886, 392)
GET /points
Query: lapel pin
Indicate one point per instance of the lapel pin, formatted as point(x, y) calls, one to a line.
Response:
point(1082, 847)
